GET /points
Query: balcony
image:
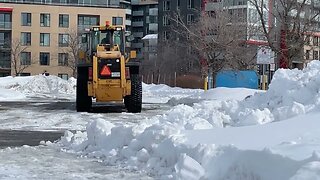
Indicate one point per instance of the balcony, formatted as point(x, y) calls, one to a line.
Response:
point(128, 11)
point(137, 13)
point(128, 22)
point(212, 6)
point(138, 34)
point(153, 12)
point(137, 45)
point(135, 2)
point(137, 24)
point(153, 27)
point(5, 25)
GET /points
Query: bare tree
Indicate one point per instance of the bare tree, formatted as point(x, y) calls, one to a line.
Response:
point(74, 48)
point(18, 65)
point(218, 39)
point(289, 26)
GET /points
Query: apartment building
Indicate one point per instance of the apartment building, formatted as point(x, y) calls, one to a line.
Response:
point(188, 11)
point(42, 31)
point(144, 22)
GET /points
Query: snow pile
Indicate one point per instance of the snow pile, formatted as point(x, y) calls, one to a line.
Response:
point(37, 86)
point(164, 145)
point(152, 93)
point(166, 153)
point(291, 93)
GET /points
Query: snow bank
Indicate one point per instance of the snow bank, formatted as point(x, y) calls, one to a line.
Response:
point(152, 93)
point(37, 86)
point(164, 152)
point(291, 93)
point(161, 146)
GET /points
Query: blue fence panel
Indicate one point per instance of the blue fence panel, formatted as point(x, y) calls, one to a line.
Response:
point(233, 79)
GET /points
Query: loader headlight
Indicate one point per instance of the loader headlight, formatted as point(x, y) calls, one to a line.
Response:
point(117, 60)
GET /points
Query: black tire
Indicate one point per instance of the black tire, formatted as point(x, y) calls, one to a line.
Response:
point(133, 102)
point(83, 101)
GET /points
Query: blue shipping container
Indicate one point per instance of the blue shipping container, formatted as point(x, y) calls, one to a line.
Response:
point(233, 79)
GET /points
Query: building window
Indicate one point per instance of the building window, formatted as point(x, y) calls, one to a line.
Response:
point(166, 35)
point(5, 39)
point(5, 20)
point(44, 58)
point(307, 54)
point(25, 58)
point(25, 19)
point(315, 55)
point(86, 21)
point(63, 20)
point(63, 40)
point(24, 74)
point(307, 40)
point(63, 59)
point(63, 76)
point(44, 39)
point(117, 20)
point(190, 19)
point(26, 39)
point(45, 20)
point(316, 41)
point(166, 21)
point(5, 59)
point(190, 4)
point(166, 5)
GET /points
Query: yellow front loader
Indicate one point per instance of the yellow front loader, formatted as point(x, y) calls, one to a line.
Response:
point(108, 75)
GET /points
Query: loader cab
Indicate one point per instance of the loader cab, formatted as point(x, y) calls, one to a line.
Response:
point(109, 37)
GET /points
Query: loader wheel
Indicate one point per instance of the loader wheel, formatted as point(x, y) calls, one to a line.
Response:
point(133, 102)
point(83, 101)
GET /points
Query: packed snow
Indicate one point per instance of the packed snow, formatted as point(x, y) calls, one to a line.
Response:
point(217, 134)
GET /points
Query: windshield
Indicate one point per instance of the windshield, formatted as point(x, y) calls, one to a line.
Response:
point(107, 37)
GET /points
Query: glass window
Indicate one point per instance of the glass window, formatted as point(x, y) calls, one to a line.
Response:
point(86, 21)
point(117, 20)
point(5, 39)
point(5, 20)
point(25, 19)
point(190, 4)
point(63, 59)
point(166, 21)
point(44, 39)
point(45, 20)
point(307, 54)
point(315, 41)
point(63, 40)
point(25, 39)
point(315, 55)
point(63, 20)
point(63, 76)
point(166, 35)
point(166, 5)
point(24, 74)
point(25, 58)
point(44, 58)
point(190, 19)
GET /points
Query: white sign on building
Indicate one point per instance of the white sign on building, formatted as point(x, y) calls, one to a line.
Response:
point(265, 56)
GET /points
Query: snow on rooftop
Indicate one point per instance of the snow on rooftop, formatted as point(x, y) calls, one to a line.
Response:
point(150, 36)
